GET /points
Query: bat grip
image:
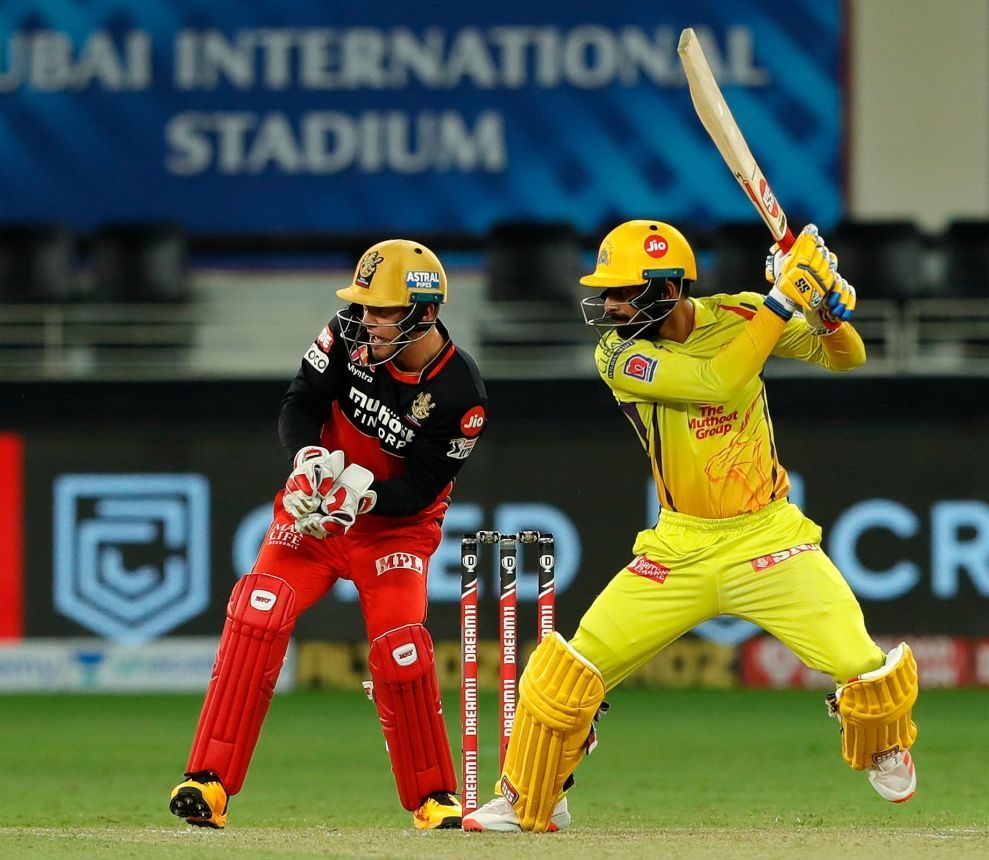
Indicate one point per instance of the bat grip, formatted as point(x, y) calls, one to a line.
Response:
point(786, 241)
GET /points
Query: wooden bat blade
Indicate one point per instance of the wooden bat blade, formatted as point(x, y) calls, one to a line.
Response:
point(717, 119)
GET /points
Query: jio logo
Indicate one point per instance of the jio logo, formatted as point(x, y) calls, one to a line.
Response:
point(656, 246)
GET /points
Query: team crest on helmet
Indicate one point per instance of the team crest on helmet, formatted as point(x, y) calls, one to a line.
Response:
point(422, 406)
point(369, 265)
point(604, 255)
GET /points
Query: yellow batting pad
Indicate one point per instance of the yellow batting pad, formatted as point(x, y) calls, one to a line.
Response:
point(559, 694)
point(875, 709)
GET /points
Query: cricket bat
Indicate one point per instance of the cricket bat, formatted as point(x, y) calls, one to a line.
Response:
point(724, 131)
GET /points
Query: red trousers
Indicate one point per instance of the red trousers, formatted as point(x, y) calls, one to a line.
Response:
point(389, 568)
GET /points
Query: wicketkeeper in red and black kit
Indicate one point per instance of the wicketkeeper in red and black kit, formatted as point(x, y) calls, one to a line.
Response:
point(379, 419)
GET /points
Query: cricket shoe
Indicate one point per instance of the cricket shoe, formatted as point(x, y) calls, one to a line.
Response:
point(894, 776)
point(201, 800)
point(499, 815)
point(439, 811)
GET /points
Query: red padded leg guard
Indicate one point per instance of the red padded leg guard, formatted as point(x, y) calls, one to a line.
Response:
point(260, 618)
point(408, 699)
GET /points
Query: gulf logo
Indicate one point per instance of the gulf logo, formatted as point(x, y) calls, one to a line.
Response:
point(639, 366)
point(656, 246)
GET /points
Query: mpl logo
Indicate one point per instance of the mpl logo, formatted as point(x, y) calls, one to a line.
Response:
point(131, 552)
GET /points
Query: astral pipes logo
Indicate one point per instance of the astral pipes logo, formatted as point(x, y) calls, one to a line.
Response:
point(131, 552)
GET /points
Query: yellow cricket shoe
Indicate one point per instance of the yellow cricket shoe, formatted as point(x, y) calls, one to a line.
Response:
point(439, 811)
point(201, 800)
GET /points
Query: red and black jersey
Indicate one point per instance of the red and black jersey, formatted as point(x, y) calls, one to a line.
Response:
point(413, 431)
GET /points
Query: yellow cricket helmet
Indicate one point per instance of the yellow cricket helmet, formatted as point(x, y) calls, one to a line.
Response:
point(396, 273)
point(636, 252)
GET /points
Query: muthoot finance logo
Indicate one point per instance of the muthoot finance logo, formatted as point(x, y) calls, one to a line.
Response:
point(131, 552)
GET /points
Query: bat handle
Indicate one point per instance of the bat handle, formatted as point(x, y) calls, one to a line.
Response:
point(786, 241)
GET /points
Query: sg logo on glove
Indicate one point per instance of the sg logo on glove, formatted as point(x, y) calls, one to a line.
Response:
point(131, 552)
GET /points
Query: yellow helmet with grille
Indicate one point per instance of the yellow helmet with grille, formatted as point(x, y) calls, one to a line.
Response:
point(396, 273)
point(637, 252)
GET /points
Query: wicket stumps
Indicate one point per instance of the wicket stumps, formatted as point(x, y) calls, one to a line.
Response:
point(507, 637)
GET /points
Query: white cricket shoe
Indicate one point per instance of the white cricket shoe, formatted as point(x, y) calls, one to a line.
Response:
point(894, 776)
point(499, 815)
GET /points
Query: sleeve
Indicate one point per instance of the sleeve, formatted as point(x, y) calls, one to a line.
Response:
point(306, 405)
point(436, 456)
point(640, 371)
point(840, 351)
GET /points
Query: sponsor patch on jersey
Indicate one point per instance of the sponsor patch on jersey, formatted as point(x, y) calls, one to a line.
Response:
point(361, 372)
point(359, 356)
point(460, 448)
point(422, 406)
point(641, 367)
point(473, 421)
point(649, 569)
point(368, 266)
point(616, 353)
point(399, 561)
point(325, 340)
point(317, 358)
point(764, 562)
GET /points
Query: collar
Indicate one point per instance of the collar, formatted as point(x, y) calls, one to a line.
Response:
point(434, 366)
point(703, 315)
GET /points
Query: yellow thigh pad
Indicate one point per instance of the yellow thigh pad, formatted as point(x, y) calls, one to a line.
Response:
point(559, 694)
point(875, 709)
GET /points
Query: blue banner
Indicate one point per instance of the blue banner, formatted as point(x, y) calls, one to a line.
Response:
point(401, 117)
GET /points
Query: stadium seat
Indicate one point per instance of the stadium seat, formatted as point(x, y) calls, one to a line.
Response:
point(37, 263)
point(140, 263)
point(738, 256)
point(965, 250)
point(532, 261)
point(882, 259)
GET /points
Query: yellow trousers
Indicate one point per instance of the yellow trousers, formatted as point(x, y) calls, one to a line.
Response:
point(766, 567)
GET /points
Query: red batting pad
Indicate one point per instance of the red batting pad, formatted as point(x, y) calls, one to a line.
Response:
point(408, 699)
point(260, 617)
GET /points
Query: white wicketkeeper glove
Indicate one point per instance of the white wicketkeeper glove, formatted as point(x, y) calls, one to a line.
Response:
point(314, 470)
point(349, 496)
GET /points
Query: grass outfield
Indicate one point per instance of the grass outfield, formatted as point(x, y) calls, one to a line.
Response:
point(677, 774)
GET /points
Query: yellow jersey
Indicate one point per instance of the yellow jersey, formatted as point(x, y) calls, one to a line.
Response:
point(699, 407)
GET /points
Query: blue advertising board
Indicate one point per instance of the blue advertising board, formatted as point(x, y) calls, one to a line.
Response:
point(232, 116)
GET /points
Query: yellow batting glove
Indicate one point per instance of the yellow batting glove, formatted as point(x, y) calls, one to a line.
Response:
point(806, 278)
point(840, 302)
point(774, 263)
point(838, 308)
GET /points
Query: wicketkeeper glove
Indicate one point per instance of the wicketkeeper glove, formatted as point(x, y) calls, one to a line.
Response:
point(314, 470)
point(350, 496)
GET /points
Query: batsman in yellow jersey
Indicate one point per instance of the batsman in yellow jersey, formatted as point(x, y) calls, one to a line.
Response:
point(687, 374)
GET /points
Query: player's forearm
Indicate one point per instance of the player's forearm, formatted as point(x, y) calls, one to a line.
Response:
point(402, 497)
point(844, 349)
point(299, 422)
